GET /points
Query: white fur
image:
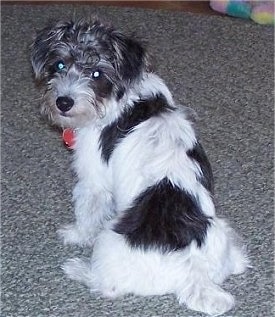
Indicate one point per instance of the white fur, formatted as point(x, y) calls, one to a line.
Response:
point(154, 150)
point(192, 274)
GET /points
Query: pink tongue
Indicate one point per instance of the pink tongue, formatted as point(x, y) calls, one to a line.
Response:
point(68, 136)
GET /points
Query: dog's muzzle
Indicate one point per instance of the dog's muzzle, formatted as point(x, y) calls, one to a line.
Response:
point(65, 103)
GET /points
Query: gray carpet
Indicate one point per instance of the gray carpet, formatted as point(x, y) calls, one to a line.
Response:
point(222, 68)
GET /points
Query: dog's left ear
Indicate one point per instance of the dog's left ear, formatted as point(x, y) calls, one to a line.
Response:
point(131, 58)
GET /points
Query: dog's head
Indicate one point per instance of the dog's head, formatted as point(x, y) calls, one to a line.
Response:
point(82, 65)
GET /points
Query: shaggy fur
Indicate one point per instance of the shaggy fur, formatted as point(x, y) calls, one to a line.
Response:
point(143, 199)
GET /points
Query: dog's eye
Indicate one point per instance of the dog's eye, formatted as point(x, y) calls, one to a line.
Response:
point(96, 74)
point(60, 65)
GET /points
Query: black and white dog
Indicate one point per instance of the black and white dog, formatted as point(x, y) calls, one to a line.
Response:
point(144, 194)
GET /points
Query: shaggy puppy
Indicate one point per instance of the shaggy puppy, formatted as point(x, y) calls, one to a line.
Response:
point(143, 199)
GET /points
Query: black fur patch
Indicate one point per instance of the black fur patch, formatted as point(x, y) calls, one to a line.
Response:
point(119, 129)
point(198, 154)
point(102, 87)
point(133, 56)
point(120, 93)
point(163, 216)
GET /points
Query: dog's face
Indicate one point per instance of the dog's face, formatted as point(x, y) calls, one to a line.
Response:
point(81, 66)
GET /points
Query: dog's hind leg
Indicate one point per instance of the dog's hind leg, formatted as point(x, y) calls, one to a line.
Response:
point(84, 272)
point(220, 256)
point(197, 290)
point(201, 294)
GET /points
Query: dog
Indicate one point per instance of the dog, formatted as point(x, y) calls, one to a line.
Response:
point(144, 196)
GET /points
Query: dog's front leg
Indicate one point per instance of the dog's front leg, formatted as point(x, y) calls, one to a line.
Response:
point(93, 206)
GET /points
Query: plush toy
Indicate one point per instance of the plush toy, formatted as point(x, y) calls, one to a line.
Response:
point(261, 12)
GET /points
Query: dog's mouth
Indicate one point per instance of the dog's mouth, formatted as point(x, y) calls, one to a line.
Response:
point(64, 114)
point(64, 119)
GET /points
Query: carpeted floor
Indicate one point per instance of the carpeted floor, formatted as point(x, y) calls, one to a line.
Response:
point(222, 68)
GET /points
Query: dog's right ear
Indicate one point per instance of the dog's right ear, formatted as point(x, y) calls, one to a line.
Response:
point(39, 52)
point(43, 45)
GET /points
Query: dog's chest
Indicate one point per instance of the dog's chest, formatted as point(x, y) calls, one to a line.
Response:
point(88, 163)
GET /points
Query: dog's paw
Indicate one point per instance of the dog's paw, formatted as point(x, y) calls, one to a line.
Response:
point(70, 234)
point(213, 301)
point(110, 293)
point(76, 269)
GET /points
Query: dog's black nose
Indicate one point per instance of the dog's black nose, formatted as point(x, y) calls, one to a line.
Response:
point(64, 103)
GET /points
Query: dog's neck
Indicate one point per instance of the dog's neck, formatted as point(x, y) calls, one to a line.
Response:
point(148, 86)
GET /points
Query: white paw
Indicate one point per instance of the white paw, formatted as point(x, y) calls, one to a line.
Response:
point(70, 234)
point(81, 271)
point(110, 293)
point(213, 301)
point(240, 262)
point(76, 269)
